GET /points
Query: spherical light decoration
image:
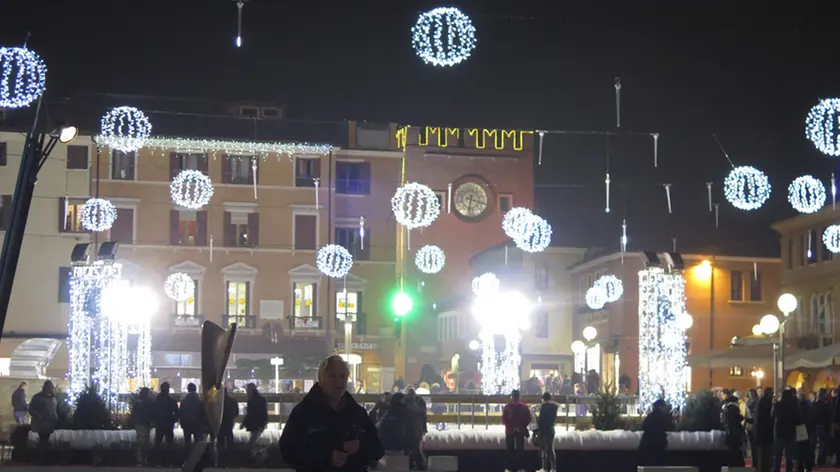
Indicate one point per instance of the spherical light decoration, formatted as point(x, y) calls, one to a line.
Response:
point(821, 126)
point(98, 214)
point(514, 222)
point(578, 347)
point(486, 284)
point(335, 261)
point(596, 298)
point(756, 330)
point(787, 303)
point(23, 77)
point(612, 286)
point(191, 189)
point(831, 238)
point(443, 37)
point(430, 259)
point(684, 321)
point(125, 129)
point(770, 324)
point(806, 194)
point(179, 286)
point(415, 205)
point(746, 188)
point(536, 235)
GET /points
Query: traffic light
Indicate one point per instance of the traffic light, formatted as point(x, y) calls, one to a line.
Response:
point(401, 304)
point(397, 327)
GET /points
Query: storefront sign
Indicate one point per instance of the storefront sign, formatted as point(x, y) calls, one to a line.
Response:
point(360, 346)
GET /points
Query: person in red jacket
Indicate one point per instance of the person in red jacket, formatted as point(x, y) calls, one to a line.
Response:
point(516, 418)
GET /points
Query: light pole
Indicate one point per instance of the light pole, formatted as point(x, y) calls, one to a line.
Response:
point(277, 362)
point(579, 349)
point(769, 326)
point(787, 305)
point(589, 333)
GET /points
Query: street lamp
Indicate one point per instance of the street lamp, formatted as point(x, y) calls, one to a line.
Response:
point(757, 374)
point(787, 305)
point(277, 362)
point(590, 333)
point(473, 345)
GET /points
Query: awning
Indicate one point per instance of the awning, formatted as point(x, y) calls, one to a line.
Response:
point(31, 357)
point(821, 357)
point(752, 356)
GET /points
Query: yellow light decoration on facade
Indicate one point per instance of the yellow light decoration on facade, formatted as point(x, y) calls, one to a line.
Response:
point(499, 137)
point(443, 135)
point(214, 147)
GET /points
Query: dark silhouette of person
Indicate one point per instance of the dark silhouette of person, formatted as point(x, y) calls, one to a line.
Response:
point(654, 440)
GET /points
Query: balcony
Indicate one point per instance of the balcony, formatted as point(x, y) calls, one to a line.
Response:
point(242, 322)
point(187, 321)
point(305, 323)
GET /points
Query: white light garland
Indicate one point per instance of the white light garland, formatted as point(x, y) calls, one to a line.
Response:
point(216, 147)
point(514, 221)
point(430, 259)
point(831, 238)
point(613, 287)
point(23, 79)
point(191, 189)
point(335, 261)
point(415, 205)
point(125, 129)
point(179, 286)
point(536, 235)
point(499, 369)
point(596, 297)
point(662, 349)
point(806, 194)
point(821, 126)
point(429, 31)
point(746, 188)
point(98, 214)
point(485, 284)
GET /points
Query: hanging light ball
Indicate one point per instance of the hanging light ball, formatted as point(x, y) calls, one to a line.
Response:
point(125, 129)
point(684, 321)
point(23, 77)
point(443, 37)
point(746, 188)
point(415, 205)
point(98, 214)
point(822, 124)
point(831, 238)
point(514, 221)
point(613, 287)
point(596, 297)
point(191, 189)
point(806, 194)
point(430, 259)
point(335, 261)
point(486, 284)
point(179, 286)
point(536, 235)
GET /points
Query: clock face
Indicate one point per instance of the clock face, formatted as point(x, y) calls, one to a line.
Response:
point(470, 200)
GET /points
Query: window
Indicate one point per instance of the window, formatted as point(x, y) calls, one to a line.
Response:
point(70, 218)
point(77, 157)
point(305, 311)
point(352, 178)
point(3, 151)
point(123, 228)
point(803, 248)
point(241, 229)
point(122, 165)
point(187, 308)
point(828, 325)
point(756, 294)
point(821, 318)
point(238, 303)
point(811, 247)
point(64, 284)
point(541, 324)
point(238, 170)
point(736, 286)
point(505, 203)
point(305, 232)
point(441, 198)
point(270, 113)
point(347, 305)
point(736, 371)
point(249, 112)
point(179, 161)
point(306, 171)
point(447, 327)
point(351, 240)
point(541, 277)
point(188, 228)
point(827, 255)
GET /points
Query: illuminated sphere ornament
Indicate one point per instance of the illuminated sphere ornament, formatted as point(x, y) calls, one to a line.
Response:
point(98, 214)
point(125, 129)
point(335, 261)
point(684, 321)
point(443, 37)
point(430, 259)
point(191, 189)
point(596, 297)
point(831, 238)
point(179, 286)
point(415, 205)
point(821, 126)
point(536, 235)
point(514, 222)
point(746, 188)
point(23, 77)
point(486, 284)
point(613, 287)
point(806, 194)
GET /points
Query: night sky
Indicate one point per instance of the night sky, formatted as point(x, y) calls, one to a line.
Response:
point(747, 75)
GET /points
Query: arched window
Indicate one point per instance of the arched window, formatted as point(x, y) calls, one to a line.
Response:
point(814, 315)
point(828, 308)
point(821, 315)
point(801, 318)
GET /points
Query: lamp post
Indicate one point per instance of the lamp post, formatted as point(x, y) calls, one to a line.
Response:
point(277, 362)
point(579, 349)
point(787, 304)
point(769, 326)
point(589, 333)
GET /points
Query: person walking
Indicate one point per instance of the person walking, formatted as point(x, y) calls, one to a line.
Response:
point(143, 415)
point(516, 417)
point(192, 417)
point(328, 430)
point(166, 415)
point(763, 432)
point(43, 410)
point(545, 429)
point(19, 405)
point(256, 416)
point(415, 428)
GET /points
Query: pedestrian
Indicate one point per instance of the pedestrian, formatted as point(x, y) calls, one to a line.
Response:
point(256, 416)
point(749, 421)
point(654, 440)
point(224, 444)
point(545, 427)
point(43, 410)
point(805, 444)
point(763, 431)
point(516, 417)
point(328, 430)
point(143, 414)
point(166, 415)
point(786, 417)
point(416, 426)
point(732, 421)
point(192, 417)
point(821, 414)
point(19, 405)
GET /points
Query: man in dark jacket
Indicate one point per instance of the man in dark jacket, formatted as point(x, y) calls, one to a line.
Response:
point(192, 417)
point(805, 448)
point(143, 415)
point(224, 444)
point(328, 430)
point(732, 421)
point(19, 405)
point(256, 415)
point(763, 431)
point(654, 440)
point(416, 426)
point(516, 417)
point(166, 415)
point(545, 428)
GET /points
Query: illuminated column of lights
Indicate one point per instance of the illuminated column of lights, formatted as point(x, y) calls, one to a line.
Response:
point(499, 369)
point(504, 314)
point(488, 363)
point(143, 366)
point(662, 351)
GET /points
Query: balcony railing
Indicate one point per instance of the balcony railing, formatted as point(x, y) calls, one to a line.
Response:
point(187, 321)
point(303, 323)
point(246, 322)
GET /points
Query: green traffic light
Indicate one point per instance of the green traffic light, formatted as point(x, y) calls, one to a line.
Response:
point(401, 304)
